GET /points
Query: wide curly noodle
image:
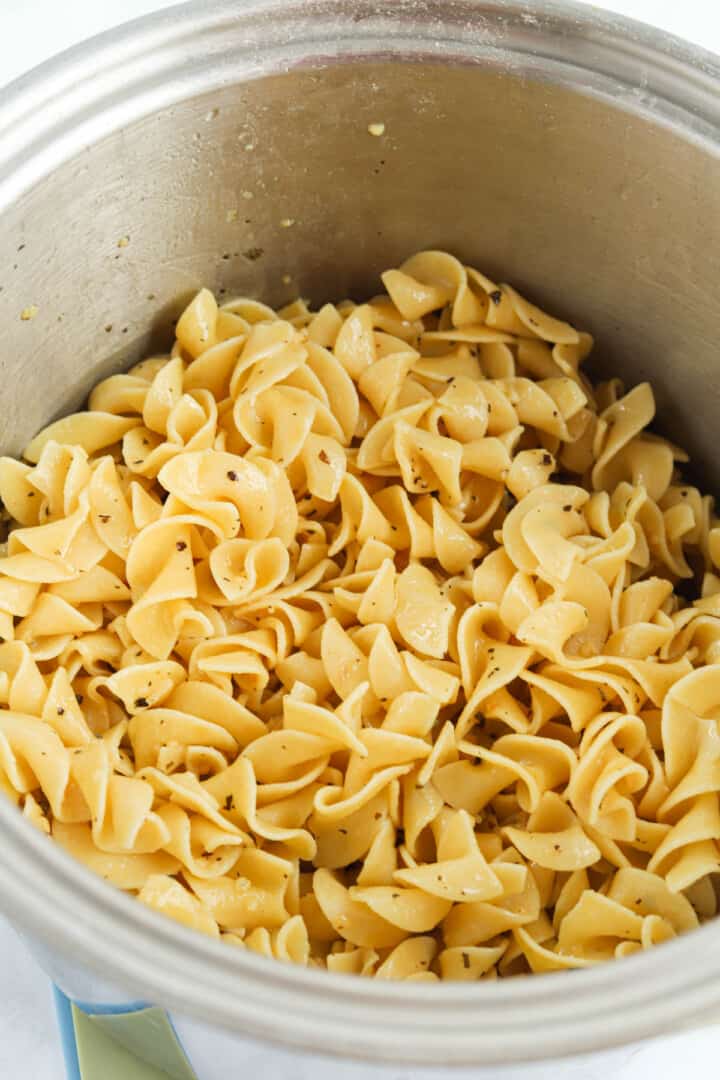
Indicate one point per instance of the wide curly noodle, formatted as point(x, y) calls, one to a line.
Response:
point(361, 638)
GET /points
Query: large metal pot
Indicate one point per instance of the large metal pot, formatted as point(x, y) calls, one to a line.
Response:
point(577, 153)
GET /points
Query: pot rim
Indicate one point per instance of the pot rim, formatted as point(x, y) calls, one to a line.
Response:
point(120, 76)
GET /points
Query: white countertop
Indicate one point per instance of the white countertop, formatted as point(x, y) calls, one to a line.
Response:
point(31, 31)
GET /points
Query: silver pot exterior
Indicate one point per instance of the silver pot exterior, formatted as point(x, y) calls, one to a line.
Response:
point(575, 153)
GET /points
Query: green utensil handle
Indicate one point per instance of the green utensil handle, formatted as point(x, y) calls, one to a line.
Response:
point(117, 1043)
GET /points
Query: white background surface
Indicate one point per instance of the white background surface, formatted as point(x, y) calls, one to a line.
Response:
point(31, 31)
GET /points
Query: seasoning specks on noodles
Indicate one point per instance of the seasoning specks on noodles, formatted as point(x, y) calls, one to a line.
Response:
point(357, 638)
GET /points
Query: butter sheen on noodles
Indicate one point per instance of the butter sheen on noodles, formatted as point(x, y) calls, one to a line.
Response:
point(361, 638)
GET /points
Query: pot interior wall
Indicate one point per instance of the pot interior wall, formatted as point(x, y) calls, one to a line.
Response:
point(608, 219)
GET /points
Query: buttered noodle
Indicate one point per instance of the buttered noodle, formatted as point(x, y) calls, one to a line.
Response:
point(360, 638)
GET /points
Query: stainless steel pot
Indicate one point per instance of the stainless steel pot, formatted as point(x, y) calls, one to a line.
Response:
point(575, 152)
